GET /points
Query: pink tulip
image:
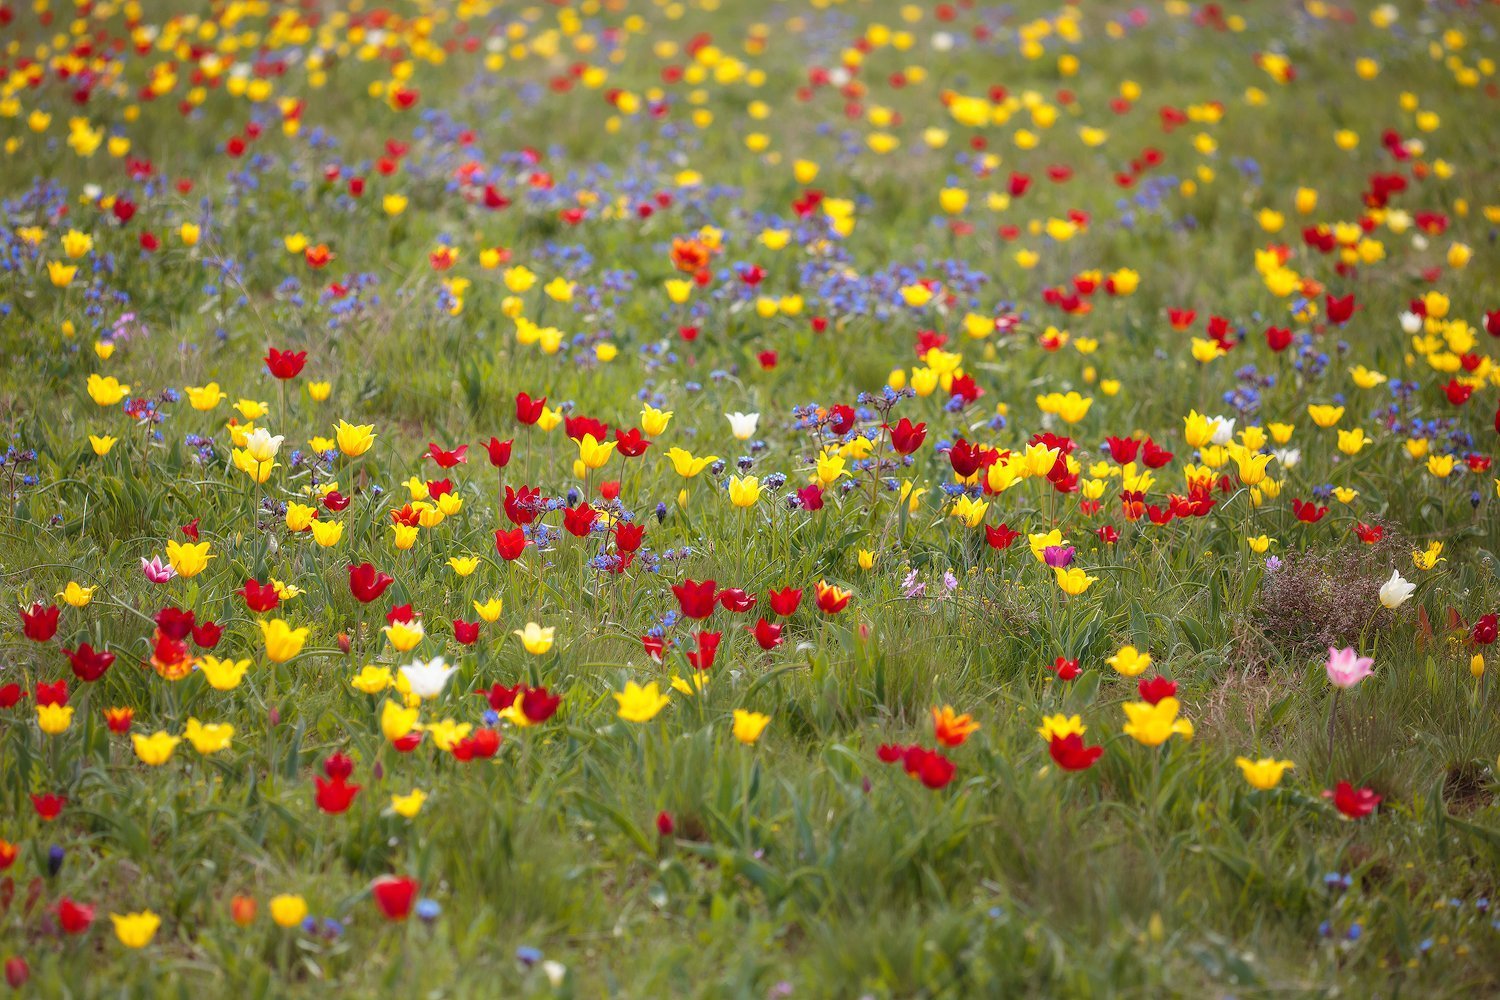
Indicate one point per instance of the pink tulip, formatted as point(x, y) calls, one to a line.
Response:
point(1347, 668)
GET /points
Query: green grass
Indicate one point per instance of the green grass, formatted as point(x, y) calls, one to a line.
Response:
point(802, 865)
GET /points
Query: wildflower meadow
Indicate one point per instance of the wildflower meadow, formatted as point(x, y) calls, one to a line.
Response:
point(814, 498)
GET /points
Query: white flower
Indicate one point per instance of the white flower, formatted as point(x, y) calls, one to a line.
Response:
point(1223, 430)
point(1288, 457)
point(262, 444)
point(1396, 591)
point(1411, 322)
point(742, 425)
point(427, 679)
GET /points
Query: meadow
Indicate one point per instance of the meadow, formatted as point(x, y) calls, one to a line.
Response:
point(666, 498)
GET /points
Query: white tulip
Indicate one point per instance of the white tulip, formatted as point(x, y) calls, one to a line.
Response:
point(1411, 322)
point(426, 680)
point(1288, 457)
point(1223, 430)
point(262, 444)
point(742, 425)
point(1396, 591)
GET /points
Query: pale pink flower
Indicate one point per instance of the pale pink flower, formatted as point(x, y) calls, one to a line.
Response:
point(1347, 668)
point(156, 571)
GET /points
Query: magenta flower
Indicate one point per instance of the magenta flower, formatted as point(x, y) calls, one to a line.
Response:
point(1058, 556)
point(1347, 668)
point(156, 571)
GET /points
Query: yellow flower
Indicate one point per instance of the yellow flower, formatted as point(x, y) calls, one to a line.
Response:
point(640, 704)
point(209, 738)
point(559, 289)
point(101, 444)
point(1365, 378)
point(490, 609)
point(354, 439)
point(189, 233)
point(536, 639)
point(1259, 544)
point(866, 559)
point(223, 675)
point(446, 732)
point(1252, 467)
point(206, 397)
point(1440, 466)
point(76, 244)
point(1060, 726)
point(829, 468)
point(1428, 558)
point(60, 274)
point(77, 595)
point(188, 558)
point(408, 805)
point(404, 636)
point(371, 679)
point(1130, 661)
point(1324, 414)
point(1072, 580)
point(744, 491)
point(393, 204)
point(463, 565)
point(396, 720)
point(593, 453)
point(288, 910)
point(1352, 442)
point(135, 930)
point(106, 390)
point(686, 465)
point(1040, 543)
point(251, 409)
point(404, 535)
point(1197, 430)
point(1280, 433)
point(698, 682)
point(155, 749)
point(282, 641)
point(327, 533)
point(970, 511)
point(749, 725)
point(318, 391)
point(1264, 774)
point(1039, 459)
point(1152, 725)
point(54, 719)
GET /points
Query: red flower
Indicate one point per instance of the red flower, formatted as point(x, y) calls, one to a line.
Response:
point(191, 529)
point(628, 536)
point(1154, 455)
point(175, 623)
point(335, 501)
point(207, 634)
point(8, 854)
point(1484, 631)
point(1458, 394)
point(664, 824)
point(119, 719)
point(539, 706)
point(1154, 689)
point(1065, 669)
point(394, 895)
point(499, 696)
point(73, 917)
point(1278, 338)
point(55, 693)
point(338, 766)
point(1071, 755)
point(528, 410)
point(841, 419)
point(784, 602)
point(285, 364)
point(930, 767)
point(1367, 533)
point(510, 544)
point(49, 805)
point(736, 600)
point(907, 437)
point(466, 633)
point(1355, 803)
point(521, 508)
point(968, 458)
point(708, 648)
point(259, 596)
point(447, 459)
point(334, 796)
point(579, 520)
point(39, 622)
point(10, 694)
point(482, 743)
point(89, 664)
point(366, 584)
point(767, 359)
point(1308, 511)
point(631, 443)
point(767, 636)
point(810, 497)
point(1108, 534)
point(831, 600)
point(499, 452)
point(399, 613)
point(17, 972)
point(1123, 450)
point(696, 599)
point(1340, 310)
point(654, 646)
point(1001, 537)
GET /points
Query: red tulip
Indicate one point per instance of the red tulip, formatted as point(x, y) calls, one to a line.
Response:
point(10, 694)
point(628, 536)
point(767, 635)
point(1123, 450)
point(89, 664)
point(466, 633)
point(528, 410)
point(538, 705)
point(447, 459)
point(708, 647)
point(17, 972)
point(206, 635)
point(631, 443)
point(907, 437)
point(499, 452)
point(579, 521)
point(1355, 803)
point(175, 623)
point(1065, 669)
point(1070, 753)
point(52, 694)
point(664, 824)
point(334, 796)
point(39, 621)
point(394, 895)
point(48, 806)
point(736, 600)
point(784, 602)
point(696, 599)
point(366, 584)
point(510, 544)
point(810, 497)
point(73, 917)
point(285, 364)
point(1154, 689)
point(1001, 537)
point(259, 596)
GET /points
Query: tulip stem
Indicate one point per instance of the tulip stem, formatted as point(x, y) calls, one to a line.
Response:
point(1333, 713)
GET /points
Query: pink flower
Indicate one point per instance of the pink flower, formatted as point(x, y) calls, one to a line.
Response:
point(1347, 668)
point(156, 571)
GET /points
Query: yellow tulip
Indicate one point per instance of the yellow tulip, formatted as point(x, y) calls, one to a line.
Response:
point(749, 725)
point(282, 641)
point(640, 704)
point(155, 749)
